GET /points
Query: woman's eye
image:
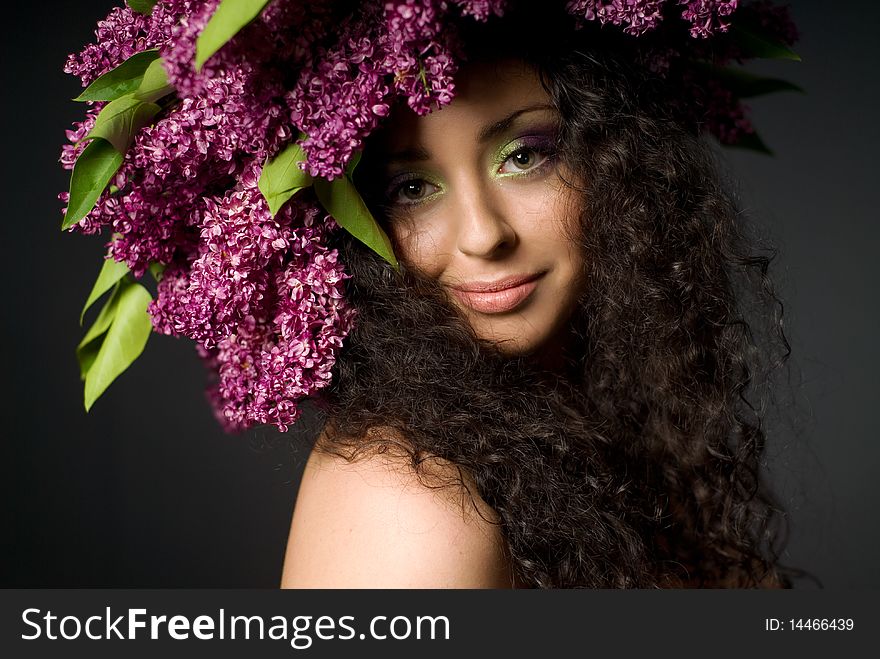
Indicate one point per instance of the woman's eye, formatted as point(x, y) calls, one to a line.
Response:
point(413, 191)
point(522, 160)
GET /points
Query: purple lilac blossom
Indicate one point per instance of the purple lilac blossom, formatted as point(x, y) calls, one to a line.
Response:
point(230, 266)
point(348, 89)
point(119, 36)
point(261, 53)
point(418, 51)
point(707, 16)
point(70, 152)
point(264, 301)
point(636, 16)
point(640, 16)
point(338, 104)
point(123, 33)
point(178, 53)
point(481, 9)
point(201, 143)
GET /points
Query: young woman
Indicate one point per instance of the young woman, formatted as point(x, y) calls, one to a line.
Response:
point(552, 393)
point(537, 344)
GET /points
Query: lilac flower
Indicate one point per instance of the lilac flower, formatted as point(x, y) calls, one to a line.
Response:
point(120, 35)
point(338, 104)
point(179, 52)
point(640, 16)
point(240, 243)
point(481, 9)
point(123, 33)
point(199, 143)
point(419, 52)
point(70, 152)
point(262, 297)
point(636, 16)
point(706, 16)
point(347, 89)
point(264, 300)
point(427, 83)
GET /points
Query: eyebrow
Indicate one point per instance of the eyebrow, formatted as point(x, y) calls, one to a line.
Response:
point(486, 133)
point(494, 130)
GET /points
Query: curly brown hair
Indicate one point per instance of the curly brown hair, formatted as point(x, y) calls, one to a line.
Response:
point(640, 466)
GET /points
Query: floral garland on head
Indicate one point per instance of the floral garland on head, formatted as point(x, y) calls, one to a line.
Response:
point(219, 144)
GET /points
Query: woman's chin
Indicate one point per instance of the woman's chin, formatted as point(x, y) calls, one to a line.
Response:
point(511, 343)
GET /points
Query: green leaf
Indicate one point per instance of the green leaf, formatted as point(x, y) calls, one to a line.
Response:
point(124, 342)
point(744, 84)
point(141, 6)
point(353, 163)
point(122, 80)
point(156, 269)
point(94, 168)
point(757, 44)
point(86, 357)
point(111, 272)
point(121, 119)
point(281, 178)
point(88, 348)
point(105, 317)
point(752, 142)
point(229, 17)
point(341, 199)
point(154, 84)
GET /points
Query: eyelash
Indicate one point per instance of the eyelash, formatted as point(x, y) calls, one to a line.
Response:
point(541, 150)
point(545, 153)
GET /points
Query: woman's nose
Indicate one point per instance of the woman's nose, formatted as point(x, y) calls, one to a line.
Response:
point(484, 227)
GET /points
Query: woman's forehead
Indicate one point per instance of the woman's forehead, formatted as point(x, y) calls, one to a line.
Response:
point(507, 77)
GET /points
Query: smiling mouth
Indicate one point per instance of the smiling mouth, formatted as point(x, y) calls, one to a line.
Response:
point(497, 297)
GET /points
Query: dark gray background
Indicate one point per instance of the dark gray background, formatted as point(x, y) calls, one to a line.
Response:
point(147, 491)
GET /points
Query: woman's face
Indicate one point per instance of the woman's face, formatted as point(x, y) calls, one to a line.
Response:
point(474, 200)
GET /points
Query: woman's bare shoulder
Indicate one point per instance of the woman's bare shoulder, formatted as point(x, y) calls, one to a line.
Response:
point(372, 523)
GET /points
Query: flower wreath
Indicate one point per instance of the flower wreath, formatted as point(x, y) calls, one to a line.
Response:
point(208, 120)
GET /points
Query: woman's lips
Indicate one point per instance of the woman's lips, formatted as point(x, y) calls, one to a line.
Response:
point(499, 296)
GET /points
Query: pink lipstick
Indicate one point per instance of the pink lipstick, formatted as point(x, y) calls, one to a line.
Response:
point(498, 296)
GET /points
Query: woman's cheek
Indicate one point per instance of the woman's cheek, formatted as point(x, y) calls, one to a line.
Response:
point(423, 246)
point(537, 194)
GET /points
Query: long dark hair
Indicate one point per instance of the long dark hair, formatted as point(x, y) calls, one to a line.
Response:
point(639, 467)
